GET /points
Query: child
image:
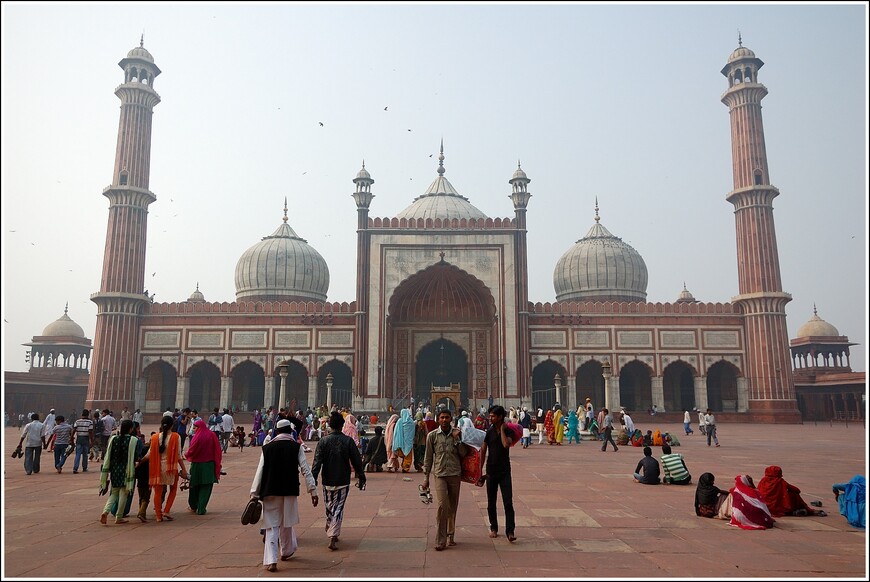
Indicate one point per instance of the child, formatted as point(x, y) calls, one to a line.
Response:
point(240, 437)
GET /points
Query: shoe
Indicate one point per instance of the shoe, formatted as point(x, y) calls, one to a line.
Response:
point(493, 534)
point(450, 541)
point(821, 513)
point(142, 518)
point(816, 503)
point(440, 548)
point(167, 517)
point(285, 558)
point(122, 520)
point(271, 567)
point(84, 470)
point(332, 542)
point(511, 538)
point(75, 472)
point(717, 445)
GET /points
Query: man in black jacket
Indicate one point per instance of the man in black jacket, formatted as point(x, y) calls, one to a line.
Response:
point(335, 454)
point(276, 482)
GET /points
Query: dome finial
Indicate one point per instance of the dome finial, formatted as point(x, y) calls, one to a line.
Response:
point(739, 38)
point(197, 285)
point(597, 218)
point(285, 210)
point(518, 164)
point(684, 286)
point(364, 163)
point(816, 313)
point(441, 159)
point(66, 307)
point(142, 40)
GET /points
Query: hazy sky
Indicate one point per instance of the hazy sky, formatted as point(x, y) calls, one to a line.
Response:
point(617, 101)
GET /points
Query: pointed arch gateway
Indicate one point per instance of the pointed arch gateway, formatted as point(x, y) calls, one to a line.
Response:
point(439, 307)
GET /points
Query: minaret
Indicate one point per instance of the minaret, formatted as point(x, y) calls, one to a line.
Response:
point(520, 197)
point(363, 198)
point(122, 290)
point(761, 299)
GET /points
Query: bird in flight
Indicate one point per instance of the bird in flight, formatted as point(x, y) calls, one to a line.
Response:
point(409, 130)
point(155, 272)
point(321, 123)
point(385, 108)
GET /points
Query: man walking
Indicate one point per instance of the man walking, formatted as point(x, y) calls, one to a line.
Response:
point(35, 442)
point(710, 426)
point(84, 429)
point(497, 443)
point(443, 458)
point(687, 421)
point(61, 437)
point(336, 453)
point(608, 431)
point(227, 426)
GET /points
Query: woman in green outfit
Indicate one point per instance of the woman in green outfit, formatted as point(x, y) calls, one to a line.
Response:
point(204, 455)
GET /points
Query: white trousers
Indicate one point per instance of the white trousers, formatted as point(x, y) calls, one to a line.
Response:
point(275, 536)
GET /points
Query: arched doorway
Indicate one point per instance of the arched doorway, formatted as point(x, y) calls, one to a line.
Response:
point(544, 385)
point(249, 387)
point(722, 387)
point(296, 389)
point(161, 386)
point(441, 363)
point(442, 302)
point(635, 387)
point(342, 384)
point(205, 387)
point(590, 384)
point(678, 383)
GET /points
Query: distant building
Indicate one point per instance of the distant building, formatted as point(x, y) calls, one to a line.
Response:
point(442, 300)
point(58, 374)
point(826, 386)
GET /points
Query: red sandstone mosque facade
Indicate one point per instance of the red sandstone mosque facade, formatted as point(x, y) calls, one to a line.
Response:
point(442, 301)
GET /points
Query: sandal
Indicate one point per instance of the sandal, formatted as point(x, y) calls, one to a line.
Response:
point(822, 513)
point(511, 538)
point(167, 517)
point(493, 534)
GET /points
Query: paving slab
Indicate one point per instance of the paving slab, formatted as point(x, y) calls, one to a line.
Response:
point(579, 515)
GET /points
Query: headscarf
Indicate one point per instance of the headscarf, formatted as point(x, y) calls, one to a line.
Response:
point(852, 502)
point(748, 510)
point(419, 416)
point(390, 432)
point(350, 428)
point(403, 437)
point(573, 421)
point(781, 497)
point(706, 493)
point(205, 447)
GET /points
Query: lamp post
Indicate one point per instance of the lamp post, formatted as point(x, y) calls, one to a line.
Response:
point(329, 391)
point(282, 370)
point(557, 382)
point(605, 372)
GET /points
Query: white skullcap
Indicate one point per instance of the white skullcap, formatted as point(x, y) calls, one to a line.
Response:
point(282, 423)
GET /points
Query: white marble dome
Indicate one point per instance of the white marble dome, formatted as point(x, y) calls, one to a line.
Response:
point(63, 327)
point(741, 52)
point(140, 52)
point(600, 267)
point(817, 327)
point(282, 267)
point(441, 200)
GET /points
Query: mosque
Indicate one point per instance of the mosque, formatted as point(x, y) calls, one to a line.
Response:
point(442, 311)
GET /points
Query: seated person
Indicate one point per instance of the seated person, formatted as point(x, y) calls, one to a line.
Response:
point(709, 499)
point(376, 452)
point(650, 466)
point(851, 499)
point(676, 472)
point(748, 510)
point(648, 439)
point(781, 497)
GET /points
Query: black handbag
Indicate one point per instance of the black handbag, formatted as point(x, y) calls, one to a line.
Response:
point(253, 511)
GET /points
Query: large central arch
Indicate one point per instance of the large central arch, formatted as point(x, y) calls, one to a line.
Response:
point(441, 306)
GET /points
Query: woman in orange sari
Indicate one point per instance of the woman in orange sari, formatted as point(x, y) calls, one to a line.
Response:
point(164, 459)
point(550, 427)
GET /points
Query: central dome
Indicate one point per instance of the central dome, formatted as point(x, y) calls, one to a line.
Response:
point(282, 267)
point(600, 267)
point(441, 200)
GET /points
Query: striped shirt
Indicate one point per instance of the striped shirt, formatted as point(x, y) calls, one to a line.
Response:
point(62, 433)
point(674, 467)
point(83, 426)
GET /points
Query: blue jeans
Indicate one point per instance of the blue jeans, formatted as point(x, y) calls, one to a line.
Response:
point(60, 454)
point(711, 434)
point(688, 428)
point(83, 448)
point(31, 459)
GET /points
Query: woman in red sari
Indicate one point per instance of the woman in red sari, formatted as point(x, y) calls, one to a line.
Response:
point(550, 427)
point(781, 497)
point(205, 456)
point(748, 510)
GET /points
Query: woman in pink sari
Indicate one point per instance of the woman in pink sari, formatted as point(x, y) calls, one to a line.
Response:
point(748, 510)
point(205, 456)
point(392, 458)
point(350, 428)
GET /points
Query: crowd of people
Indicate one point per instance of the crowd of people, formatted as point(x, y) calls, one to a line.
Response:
point(157, 466)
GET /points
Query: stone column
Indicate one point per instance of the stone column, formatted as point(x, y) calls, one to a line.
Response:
point(742, 395)
point(658, 392)
point(226, 391)
point(139, 394)
point(182, 392)
point(701, 392)
point(571, 387)
point(269, 393)
point(611, 392)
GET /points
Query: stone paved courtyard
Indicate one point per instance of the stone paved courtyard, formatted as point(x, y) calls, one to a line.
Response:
point(579, 514)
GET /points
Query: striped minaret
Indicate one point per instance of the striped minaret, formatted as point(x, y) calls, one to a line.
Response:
point(520, 197)
point(768, 367)
point(122, 291)
point(363, 197)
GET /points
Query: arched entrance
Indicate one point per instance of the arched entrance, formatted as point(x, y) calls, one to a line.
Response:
point(678, 383)
point(589, 383)
point(445, 307)
point(722, 387)
point(441, 363)
point(544, 385)
point(161, 386)
point(205, 387)
point(342, 384)
point(249, 387)
point(296, 390)
point(635, 387)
